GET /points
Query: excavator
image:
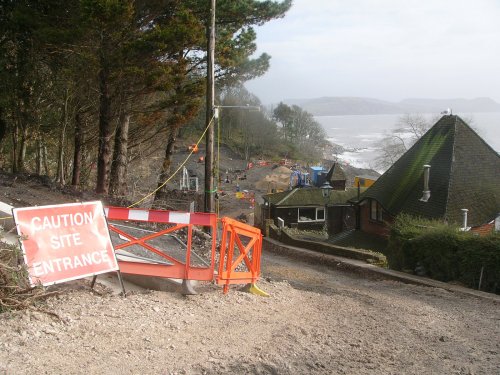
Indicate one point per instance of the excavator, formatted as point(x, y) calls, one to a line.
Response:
point(298, 179)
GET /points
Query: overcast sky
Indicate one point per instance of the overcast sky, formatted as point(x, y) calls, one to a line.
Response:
point(384, 49)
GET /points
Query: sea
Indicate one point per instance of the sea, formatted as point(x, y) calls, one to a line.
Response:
point(360, 135)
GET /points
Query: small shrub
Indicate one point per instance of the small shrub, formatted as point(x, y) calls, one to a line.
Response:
point(15, 290)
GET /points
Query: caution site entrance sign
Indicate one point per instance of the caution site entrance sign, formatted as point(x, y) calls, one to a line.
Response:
point(65, 242)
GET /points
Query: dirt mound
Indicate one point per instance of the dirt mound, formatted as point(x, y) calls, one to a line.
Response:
point(282, 170)
point(279, 179)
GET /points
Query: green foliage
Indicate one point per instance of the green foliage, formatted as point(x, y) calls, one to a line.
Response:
point(235, 40)
point(252, 133)
point(300, 131)
point(445, 252)
point(100, 60)
point(480, 253)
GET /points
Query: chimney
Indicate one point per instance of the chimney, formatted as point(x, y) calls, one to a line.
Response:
point(464, 219)
point(426, 193)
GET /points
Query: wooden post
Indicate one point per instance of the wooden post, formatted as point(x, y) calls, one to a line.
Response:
point(209, 155)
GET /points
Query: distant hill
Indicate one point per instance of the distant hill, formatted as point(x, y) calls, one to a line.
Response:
point(332, 106)
point(457, 105)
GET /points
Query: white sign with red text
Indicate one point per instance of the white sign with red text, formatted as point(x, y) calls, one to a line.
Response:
point(65, 242)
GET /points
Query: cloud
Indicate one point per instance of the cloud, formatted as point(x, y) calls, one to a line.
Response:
point(386, 48)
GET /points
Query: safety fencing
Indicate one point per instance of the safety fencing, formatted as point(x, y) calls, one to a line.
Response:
point(161, 253)
point(244, 267)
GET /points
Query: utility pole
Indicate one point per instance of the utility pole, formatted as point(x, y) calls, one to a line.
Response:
point(209, 154)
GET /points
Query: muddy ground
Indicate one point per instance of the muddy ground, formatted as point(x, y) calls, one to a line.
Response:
point(29, 190)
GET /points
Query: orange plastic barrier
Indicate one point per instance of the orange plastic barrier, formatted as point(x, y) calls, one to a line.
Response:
point(248, 240)
point(172, 267)
point(239, 267)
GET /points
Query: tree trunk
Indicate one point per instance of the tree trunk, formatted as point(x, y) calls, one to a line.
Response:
point(39, 151)
point(77, 154)
point(118, 184)
point(45, 159)
point(104, 152)
point(62, 136)
point(15, 146)
point(167, 160)
point(247, 151)
point(3, 126)
point(23, 145)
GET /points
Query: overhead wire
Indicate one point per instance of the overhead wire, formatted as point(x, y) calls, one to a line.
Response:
point(177, 170)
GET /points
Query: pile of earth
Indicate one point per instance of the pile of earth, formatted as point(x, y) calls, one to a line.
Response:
point(278, 179)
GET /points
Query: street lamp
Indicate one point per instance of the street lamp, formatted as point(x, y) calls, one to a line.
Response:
point(326, 191)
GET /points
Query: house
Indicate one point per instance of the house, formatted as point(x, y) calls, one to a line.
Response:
point(449, 174)
point(305, 209)
point(335, 177)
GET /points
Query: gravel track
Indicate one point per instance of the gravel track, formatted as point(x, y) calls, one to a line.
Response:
point(317, 321)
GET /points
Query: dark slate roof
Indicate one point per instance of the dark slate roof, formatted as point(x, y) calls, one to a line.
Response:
point(309, 197)
point(336, 173)
point(465, 173)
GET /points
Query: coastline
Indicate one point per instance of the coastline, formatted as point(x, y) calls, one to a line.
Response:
point(358, 135)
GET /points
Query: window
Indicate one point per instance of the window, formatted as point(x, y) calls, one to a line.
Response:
point(375, 210)
point(311, 214)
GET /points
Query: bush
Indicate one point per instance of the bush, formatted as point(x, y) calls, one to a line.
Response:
point(404, 232)
point(15, 290)
point(476, 253)
point(445, 253)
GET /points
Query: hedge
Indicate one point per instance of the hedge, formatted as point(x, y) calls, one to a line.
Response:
point(445, 253)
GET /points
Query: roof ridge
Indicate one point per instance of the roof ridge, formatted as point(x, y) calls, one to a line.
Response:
point(410, 156)
point(393, 166)
point(478, 135)
point(452, 167)
point(464, 171)
point(451, 208)
point(287, 196)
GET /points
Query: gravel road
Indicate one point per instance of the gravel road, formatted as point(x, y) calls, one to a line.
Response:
point(317, 321)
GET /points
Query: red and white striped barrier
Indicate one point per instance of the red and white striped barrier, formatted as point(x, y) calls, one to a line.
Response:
point(246, 238)
point(158, 216)
point(180, 267)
